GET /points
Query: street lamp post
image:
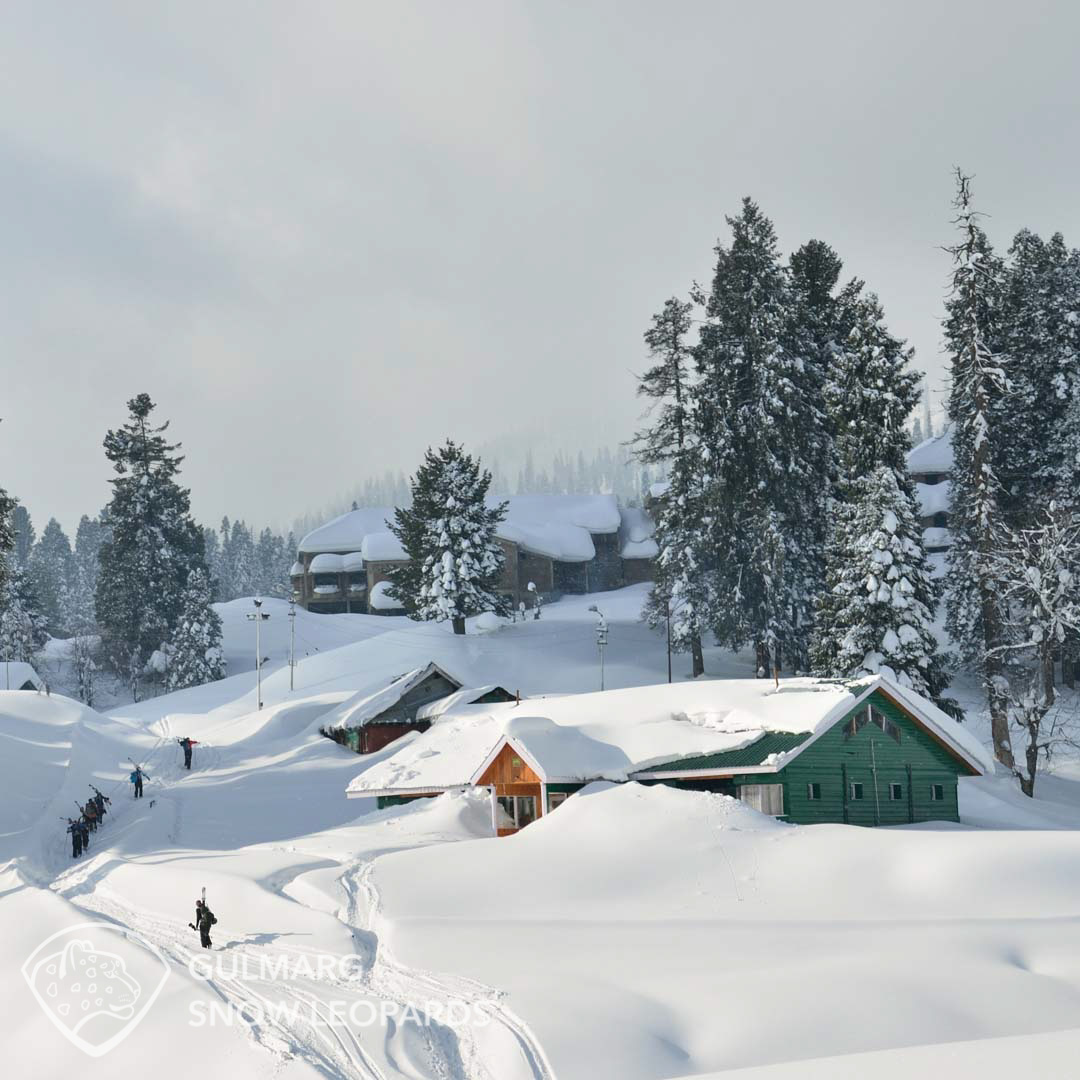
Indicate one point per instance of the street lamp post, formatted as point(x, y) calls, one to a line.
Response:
point(292, 642)
point(601, 638)
point(258, 616)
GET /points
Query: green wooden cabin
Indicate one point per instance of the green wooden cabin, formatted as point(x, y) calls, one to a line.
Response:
point(878, 764)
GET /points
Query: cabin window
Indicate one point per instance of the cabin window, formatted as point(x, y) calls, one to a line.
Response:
point(813, 791)
point(937, 792)
point(856, 792)
point(896, 792)
point(556, 798)
point(768, 798)
point(516, 811)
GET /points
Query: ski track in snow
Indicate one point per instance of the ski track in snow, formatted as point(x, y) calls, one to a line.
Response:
point(281, 1028)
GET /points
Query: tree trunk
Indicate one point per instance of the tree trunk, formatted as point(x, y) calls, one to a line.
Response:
point(459, 624)
point(698, 655)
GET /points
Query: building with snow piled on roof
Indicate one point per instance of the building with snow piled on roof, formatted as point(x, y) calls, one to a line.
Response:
point(929, 464)
point(860, 752)
point(559, 543)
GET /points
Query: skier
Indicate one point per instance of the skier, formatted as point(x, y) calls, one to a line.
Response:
point(90, 813)
point(187, 744)
point(204, 919)
point(76, 838)
point(137, 779)
point(100, 801)
point(84, 833)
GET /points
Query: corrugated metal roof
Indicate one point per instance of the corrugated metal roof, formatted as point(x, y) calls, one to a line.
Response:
point(772, 742)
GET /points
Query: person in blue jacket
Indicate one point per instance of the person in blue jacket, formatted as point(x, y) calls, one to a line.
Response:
point(137, 779)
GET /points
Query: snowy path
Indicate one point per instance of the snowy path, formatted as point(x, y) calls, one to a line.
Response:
point(303, 1017)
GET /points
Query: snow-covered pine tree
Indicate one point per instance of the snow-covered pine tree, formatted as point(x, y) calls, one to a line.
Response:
point(24, 534)
point(7, 533)
point(22, 627)
point(764, 449)
point(1037, 573)
point(449, 535)
point(195, 655)
point(877, 612)
point(153, 547)
point(870, 394)
point(50, 568)
point(673, 600)
point(85, 565)
point(978, 381)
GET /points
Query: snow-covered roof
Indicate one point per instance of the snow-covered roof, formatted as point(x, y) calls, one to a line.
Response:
point(636, 534)
point(558, 526)
point(466, 696)
point(15, 674)
point(351, 563)
point(296, 568)
point(609, 736)
point(383, 546)
point(371, 702)
point(347, 532)
point(933, 498)
point(327, 564)
point(932, 455)
point(659, 489)
point(380, 598)
point(936, 538)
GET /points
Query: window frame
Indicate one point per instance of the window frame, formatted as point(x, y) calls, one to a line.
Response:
point(761, 799)
point(853, 794)
point(896, 792)
point(934, 789)
point(813, 791)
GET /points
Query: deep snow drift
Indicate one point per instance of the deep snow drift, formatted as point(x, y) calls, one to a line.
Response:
point(638, 933)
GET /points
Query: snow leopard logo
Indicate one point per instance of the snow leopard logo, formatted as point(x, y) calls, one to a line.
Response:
point(87, 985)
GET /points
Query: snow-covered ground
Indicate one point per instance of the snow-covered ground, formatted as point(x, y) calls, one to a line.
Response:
point(638, 933)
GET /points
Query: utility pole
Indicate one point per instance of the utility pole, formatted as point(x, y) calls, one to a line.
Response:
point(601, 638)
point(292, 641)
point(258, 616)
point(668, 615)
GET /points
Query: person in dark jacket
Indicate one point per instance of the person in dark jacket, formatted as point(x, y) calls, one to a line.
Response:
point(90, 813)
point(84, 832)
point(187, 745)
point(76, 838)
point(100, 801)
point(204, 919)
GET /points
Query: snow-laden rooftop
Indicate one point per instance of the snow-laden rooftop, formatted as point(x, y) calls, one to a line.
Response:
point(381, 598)
point(467, 696)
point(611, 735)
point(560, 527)
point(371, 702)
point(14, 675)
point(933, 498)
point(932, 455)
point(636, 534)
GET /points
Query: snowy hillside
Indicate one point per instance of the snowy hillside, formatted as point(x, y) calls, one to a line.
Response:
point(642, 933)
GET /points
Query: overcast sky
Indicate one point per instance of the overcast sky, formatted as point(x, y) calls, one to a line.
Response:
point(323, 236)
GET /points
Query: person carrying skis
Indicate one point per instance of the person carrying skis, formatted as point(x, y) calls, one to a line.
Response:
point(187, 744)
point(90, 813)
point(100, 801)
point(204, 919)
point(137, 780)
point(76, 838)
point(84, 832)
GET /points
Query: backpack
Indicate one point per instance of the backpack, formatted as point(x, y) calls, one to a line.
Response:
point(132, 778)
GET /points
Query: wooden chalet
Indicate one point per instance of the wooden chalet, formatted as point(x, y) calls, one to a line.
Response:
point(812, 751)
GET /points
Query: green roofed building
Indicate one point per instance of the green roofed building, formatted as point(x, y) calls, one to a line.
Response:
point(863, 752)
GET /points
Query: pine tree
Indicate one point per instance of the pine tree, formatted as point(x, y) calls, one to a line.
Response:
point(153, 547)
point(7, 533)
point(24, 534)
point(449, 535)
point(877, 612)
point(50, 568)
point(195, 655)
point(978, 381)
point(672, 603)
point(764, 449)
point(870, 394)
point(22, 627)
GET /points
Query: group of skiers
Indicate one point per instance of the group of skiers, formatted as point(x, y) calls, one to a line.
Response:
point(87, 822)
